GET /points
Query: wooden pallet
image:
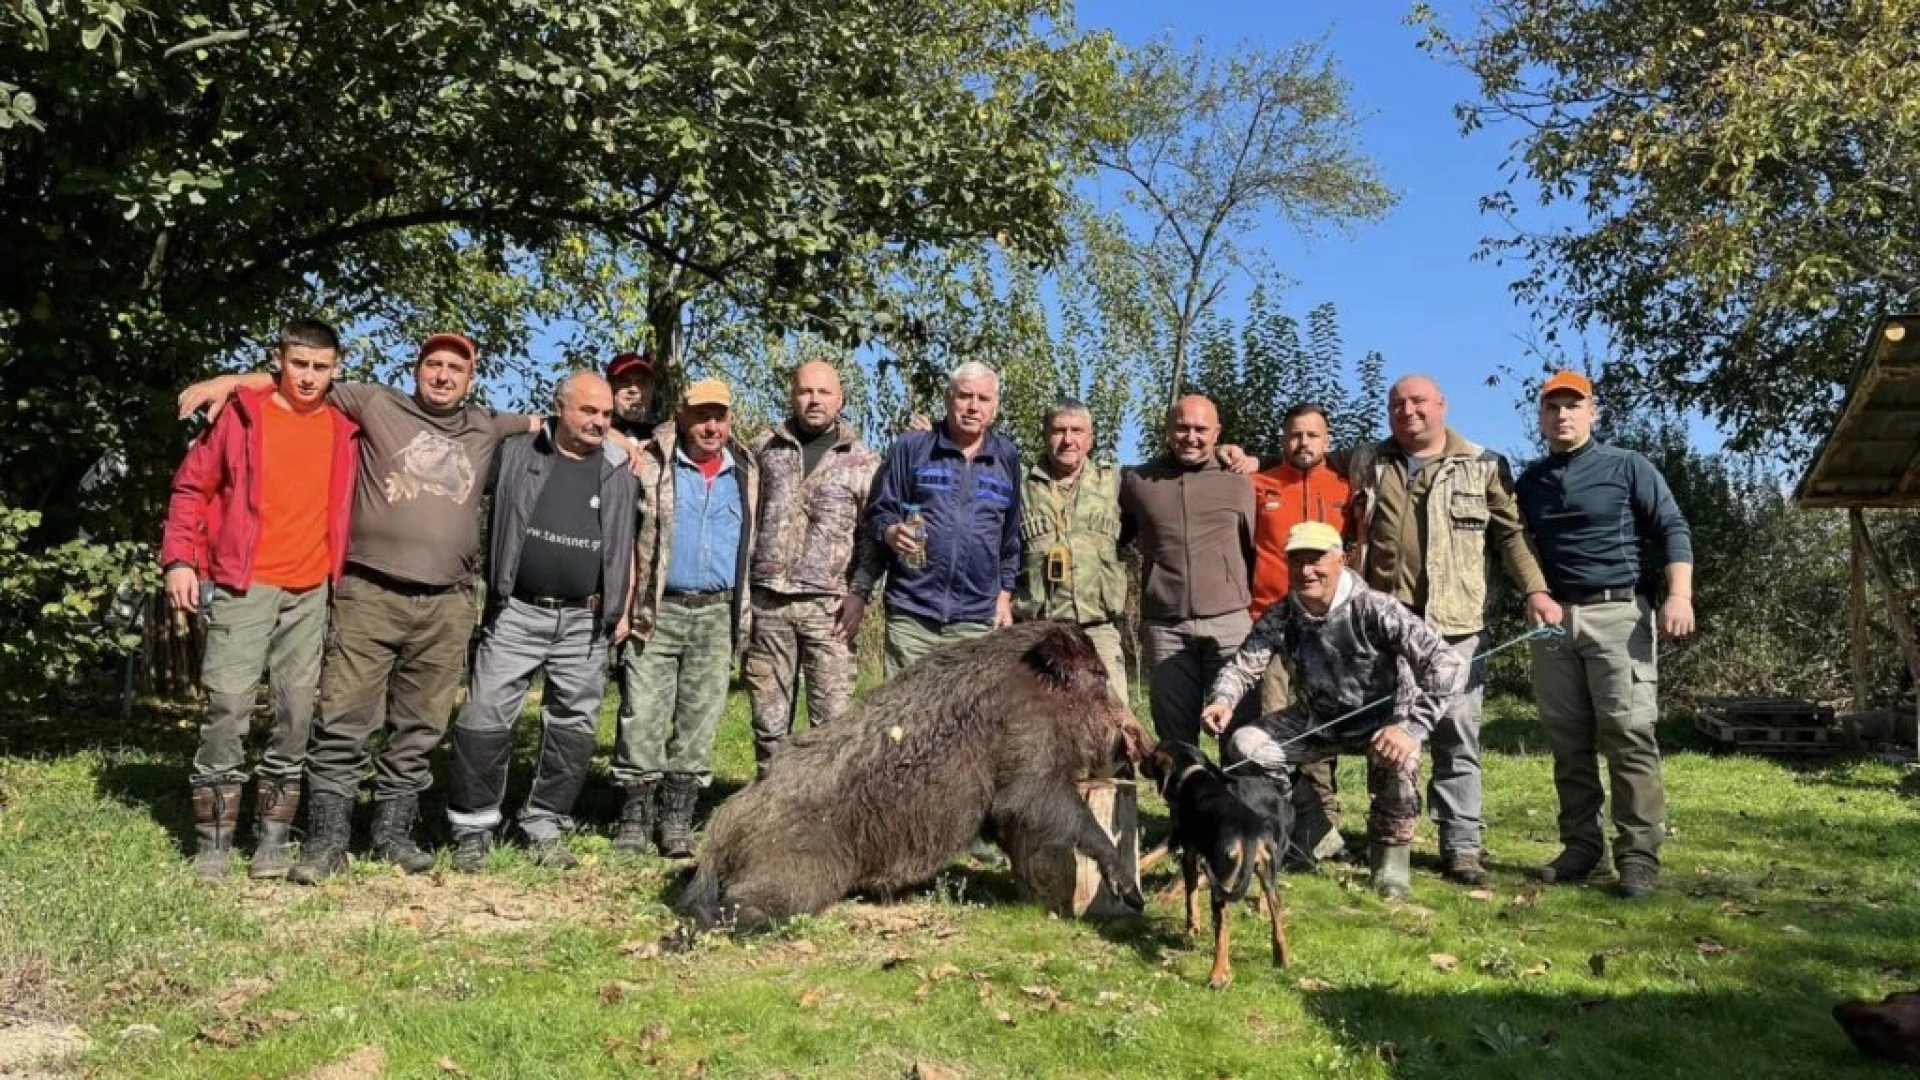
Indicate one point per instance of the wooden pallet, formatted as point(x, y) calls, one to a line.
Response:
point(1769, 712)
point(1770, 739)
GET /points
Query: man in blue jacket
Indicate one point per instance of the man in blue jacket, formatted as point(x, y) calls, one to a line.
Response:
point(956, 581)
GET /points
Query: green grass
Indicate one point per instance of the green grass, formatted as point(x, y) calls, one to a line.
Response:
point(1786, 890)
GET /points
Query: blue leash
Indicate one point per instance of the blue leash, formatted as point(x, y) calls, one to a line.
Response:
point(1537, 632)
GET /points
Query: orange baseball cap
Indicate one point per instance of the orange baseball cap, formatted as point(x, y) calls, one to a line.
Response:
point(451, 342)
point(709, 392)
point(1567, 380)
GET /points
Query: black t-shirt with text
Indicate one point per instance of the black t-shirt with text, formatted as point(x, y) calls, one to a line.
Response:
point(561, 556)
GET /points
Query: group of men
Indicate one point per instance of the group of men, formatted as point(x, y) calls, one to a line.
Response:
point(667, 541)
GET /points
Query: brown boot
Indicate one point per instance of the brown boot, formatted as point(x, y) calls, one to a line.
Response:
point(216, 817)
point(277, 803)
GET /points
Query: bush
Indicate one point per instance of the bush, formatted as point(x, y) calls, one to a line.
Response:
point(66, 609)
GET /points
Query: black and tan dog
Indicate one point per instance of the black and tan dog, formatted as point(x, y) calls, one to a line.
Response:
point(1235, 828)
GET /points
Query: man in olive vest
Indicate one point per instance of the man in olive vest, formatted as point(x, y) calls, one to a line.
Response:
point(1070, 539)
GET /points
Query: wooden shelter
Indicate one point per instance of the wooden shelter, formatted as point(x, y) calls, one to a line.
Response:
point(1871, 459)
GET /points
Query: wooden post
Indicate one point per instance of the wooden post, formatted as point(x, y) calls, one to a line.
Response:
point(1857, 604)
point(1069, 884)
point(1896, 604)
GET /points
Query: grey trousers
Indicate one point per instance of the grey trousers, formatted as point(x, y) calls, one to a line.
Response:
point(1598, 693)
point(264, 627)
point(1183, 658)
point(679, 694)
point(1454, 790)
point(520, 640)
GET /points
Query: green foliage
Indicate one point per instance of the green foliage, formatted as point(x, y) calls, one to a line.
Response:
point(1274, 368)
point(58, 606)
point(1211, 149)
point(1741, 177)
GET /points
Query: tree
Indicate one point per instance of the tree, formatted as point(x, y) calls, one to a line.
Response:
point(176, 180)
point(1209, 149)
point(1273, 369)
point(1747, 179)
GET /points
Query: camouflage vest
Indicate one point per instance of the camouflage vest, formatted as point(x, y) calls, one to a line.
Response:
point(1079, 532)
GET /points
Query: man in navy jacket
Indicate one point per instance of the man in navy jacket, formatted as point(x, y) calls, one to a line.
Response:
point(965, 480)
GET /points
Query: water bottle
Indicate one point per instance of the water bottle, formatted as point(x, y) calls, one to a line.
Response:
point(916, 524)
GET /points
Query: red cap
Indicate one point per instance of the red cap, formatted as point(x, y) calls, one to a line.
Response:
point(630, 362)
point(459, 343)
point(1567, 380)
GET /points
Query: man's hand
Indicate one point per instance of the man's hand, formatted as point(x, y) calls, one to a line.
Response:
point(846, 621)
point(631, 445)
point(901, 540)
point(621, 629)
point(1392, 746)
point(183, 588)
point(209, 394)
point(1003, 611)
point(1543, 609)
point(1216, 716)
point(1676, 616)
point(1237, 460)
point(919, 422)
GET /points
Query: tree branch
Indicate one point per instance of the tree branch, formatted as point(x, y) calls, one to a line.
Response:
point(226, 37)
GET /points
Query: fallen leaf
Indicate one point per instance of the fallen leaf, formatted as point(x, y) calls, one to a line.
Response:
point(1443, 962)
point(616, 991)
point(894, 960)
point(1312, 985)
point(222, 1035)
point(236, 995)
point(1041, 993)
point(813, 997)
point(695, 1071)
point(652, 1035)
point(1540, 968)
point(920, 994)
point(1004, 1017)
point(925, 1071)
point(1480, 894)
point(1789, 928)
point(449, 1066)
point(643, 950)
point(942, 971)
point(804, 948)
point(1706, 946)
point(986, 991)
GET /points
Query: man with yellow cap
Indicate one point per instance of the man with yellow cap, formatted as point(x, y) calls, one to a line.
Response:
point(1369, 677)
point(698, 492)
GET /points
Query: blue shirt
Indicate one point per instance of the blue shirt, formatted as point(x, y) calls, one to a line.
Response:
point(972, 509)
point(1602, 517)
point(706, 527)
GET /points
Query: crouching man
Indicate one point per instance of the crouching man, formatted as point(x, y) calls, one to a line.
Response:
point(562, 552)
point(1369, 677)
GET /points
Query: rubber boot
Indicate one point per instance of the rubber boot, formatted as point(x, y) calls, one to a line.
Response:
point(216, 817)
point(1392, 872)
point(393, 821)
point(276, 803)
point(638, 808)
point(678, 794)
point(329, 832)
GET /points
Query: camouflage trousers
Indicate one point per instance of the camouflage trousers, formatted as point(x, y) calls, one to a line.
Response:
point(793, 636)
point(678, 685)
point(1393, 809)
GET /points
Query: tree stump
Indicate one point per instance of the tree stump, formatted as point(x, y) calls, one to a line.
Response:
point(1069, 884)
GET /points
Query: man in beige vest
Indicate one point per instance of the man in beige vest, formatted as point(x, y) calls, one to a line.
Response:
point(1431, 509)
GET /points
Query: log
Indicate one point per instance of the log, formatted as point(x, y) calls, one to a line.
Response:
point(1069, 884)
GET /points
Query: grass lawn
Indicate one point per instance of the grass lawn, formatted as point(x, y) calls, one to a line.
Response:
point(1786, 890)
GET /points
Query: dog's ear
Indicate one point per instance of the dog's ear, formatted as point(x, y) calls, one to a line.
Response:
point(1065, 660)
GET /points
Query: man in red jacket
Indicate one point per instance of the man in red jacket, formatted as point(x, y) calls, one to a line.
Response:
point(258, 519)
point(1304, 486)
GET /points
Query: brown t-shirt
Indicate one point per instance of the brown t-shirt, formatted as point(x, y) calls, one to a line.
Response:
point(416, 501)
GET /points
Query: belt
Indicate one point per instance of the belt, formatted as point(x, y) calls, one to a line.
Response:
point(557, 603)
point(1598, 596)
point(698, 599)
point(396, 585)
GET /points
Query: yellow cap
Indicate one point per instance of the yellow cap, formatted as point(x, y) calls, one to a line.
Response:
point(709, 392)
point(1313, 536)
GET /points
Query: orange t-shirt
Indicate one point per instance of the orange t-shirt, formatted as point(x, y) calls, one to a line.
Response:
point(296, 472)
point(1283, 497)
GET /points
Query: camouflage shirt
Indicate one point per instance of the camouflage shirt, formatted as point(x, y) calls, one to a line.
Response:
point(810, 542)
point(1365, 648)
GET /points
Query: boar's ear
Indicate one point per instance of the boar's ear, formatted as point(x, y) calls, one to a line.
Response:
point(1065, 659)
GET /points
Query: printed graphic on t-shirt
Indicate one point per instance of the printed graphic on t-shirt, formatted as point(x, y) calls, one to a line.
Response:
point(431, 464)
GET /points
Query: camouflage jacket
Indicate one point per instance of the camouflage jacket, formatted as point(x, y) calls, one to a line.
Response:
point(1365, 648)
point(1086, 525)
point(809, 540)
point(653, 544)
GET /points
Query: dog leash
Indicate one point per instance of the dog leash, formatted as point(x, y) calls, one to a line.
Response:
point(1542, 631)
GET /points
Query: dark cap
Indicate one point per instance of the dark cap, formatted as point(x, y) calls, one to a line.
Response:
point(630, 362)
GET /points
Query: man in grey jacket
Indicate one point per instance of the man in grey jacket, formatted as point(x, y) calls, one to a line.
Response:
point(561, 556)
point(1369, 677)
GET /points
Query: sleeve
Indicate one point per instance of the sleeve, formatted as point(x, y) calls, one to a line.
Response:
point(1249, 515)
point(1439, 672)
point(1010, 523)
point(1658, 513)
point(867, 561)
point(199, 477)
point(1129, 520)
point(1509, 533)
point(1242, 673)
point(506, 425)
point(891, 482)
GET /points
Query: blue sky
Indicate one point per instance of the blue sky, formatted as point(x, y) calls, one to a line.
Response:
point(1409, 285)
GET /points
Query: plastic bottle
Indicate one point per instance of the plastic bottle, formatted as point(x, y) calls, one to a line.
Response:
point(916, 524)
